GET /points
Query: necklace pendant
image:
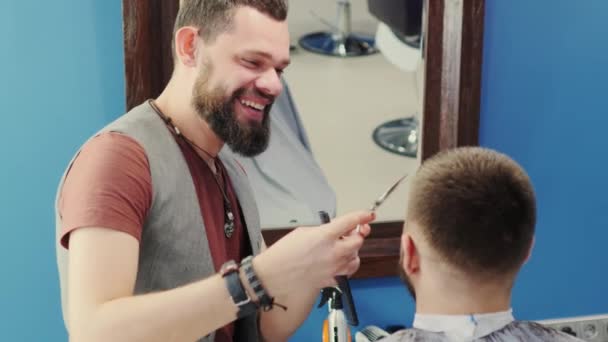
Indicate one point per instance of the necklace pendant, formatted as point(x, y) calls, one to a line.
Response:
point(229, 225)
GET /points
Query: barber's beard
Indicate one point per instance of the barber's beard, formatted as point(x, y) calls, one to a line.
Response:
point(248, 139)
point(406, 279)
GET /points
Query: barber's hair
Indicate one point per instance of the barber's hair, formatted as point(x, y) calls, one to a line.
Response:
point(216, 16)
point(476, 208)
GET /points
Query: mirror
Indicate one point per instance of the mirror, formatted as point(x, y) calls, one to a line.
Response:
point(342, 101)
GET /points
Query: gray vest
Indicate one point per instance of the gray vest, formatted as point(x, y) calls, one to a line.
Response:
point(174, 250)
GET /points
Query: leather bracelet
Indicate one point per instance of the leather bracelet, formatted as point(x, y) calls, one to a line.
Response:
point(266, 302)
point(230, 272)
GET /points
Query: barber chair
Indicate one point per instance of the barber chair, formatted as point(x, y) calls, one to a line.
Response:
point(340, 41)
point(399, 38)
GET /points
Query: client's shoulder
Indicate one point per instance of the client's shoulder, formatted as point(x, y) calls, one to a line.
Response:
point(531, 331)
point(415, 335)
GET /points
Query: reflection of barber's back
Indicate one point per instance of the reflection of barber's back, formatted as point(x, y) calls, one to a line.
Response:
point(289, 186)
point(514, 332)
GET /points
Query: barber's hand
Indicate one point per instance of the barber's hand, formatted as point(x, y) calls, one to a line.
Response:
point(313, 256)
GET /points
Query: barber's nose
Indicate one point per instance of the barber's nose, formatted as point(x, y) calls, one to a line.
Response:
point(270, 83)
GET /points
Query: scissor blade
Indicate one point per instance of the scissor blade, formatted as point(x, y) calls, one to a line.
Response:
point(380, 200)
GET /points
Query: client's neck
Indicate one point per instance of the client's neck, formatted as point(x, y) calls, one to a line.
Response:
point(456, 297)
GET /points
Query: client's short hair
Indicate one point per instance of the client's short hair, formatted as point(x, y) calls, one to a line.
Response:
point(476, 207)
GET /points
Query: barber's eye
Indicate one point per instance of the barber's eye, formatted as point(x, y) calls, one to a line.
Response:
point(251, 63)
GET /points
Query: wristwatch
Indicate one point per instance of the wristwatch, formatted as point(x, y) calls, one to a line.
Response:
point(230, 272)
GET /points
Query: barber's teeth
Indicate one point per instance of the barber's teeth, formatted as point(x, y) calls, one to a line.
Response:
point(253, 104)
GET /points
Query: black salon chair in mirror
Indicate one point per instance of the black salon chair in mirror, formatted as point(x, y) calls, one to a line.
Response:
point(399, 39)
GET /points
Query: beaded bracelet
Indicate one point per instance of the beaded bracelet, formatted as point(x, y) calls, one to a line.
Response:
point(266, 302)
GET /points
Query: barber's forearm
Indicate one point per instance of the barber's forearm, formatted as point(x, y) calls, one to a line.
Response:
point(182, 314)
point(298, 296)
point(278, 324)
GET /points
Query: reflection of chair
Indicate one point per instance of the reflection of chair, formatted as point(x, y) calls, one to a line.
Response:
point(404, 17)
point(341, 42)
point(399, 39)
point(289, 186)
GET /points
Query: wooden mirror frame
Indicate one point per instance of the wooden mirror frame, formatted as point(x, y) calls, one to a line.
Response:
point(452, 87)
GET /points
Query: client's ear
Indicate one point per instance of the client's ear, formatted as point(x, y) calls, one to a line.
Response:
point(411, 259)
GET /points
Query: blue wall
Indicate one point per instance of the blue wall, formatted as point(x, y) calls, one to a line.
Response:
point(61, 72)
point(544, 91)
point(545, 85)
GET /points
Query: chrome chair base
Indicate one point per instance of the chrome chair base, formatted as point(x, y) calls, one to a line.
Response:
point(330, 44)
point(398, 136)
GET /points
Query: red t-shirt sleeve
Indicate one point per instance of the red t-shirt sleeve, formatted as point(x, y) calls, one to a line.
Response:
point(109, 185)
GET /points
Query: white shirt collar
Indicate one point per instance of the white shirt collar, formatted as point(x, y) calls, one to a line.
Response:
point(464, 327)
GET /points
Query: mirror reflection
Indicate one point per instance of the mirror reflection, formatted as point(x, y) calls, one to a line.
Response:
point(346, 126)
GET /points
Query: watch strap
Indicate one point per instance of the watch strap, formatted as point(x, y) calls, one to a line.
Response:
point(230, 272)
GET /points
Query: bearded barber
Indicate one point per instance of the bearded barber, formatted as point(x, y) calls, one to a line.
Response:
point(158, 236)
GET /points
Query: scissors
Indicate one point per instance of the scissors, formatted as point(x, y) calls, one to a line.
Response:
point(377, 203)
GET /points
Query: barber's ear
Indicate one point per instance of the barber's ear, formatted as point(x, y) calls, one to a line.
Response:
point(185, 45)
point(530, 249)
point(411, 258)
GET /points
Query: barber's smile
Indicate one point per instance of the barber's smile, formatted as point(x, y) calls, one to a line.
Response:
point(252, 108)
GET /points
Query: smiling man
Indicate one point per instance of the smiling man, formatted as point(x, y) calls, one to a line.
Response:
point(155, 226)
